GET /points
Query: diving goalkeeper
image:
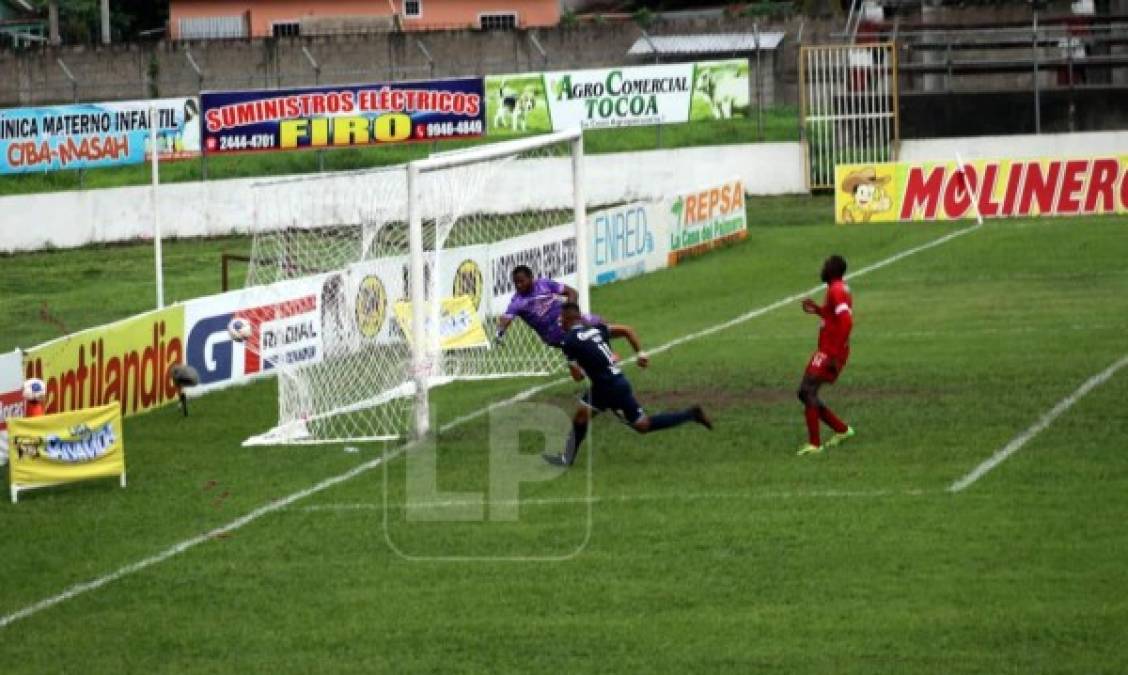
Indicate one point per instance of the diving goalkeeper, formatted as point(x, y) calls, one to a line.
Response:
point(537, 302)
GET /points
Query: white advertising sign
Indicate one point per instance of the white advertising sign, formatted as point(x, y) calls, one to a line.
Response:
point(616, 97)
point(627, 241)
point(548, 253)
point(286, 326)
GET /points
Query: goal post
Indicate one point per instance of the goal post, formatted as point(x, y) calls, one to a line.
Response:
point(425, 355)
point(413, 264)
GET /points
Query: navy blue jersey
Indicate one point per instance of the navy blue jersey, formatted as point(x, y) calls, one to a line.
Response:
point(589, 347)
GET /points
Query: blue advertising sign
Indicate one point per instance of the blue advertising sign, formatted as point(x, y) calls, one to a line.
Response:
point(342, 116)
point(92, 135)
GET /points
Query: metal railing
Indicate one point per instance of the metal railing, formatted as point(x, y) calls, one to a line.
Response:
point(849, 107)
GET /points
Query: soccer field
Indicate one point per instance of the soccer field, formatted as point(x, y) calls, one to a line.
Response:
point(686, 551)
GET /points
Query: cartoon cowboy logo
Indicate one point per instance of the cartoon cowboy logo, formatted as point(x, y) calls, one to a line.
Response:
point(867, 195)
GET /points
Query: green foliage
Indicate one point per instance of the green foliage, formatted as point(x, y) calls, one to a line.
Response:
point(768, 8)
point(643, 17)
point(80, 20)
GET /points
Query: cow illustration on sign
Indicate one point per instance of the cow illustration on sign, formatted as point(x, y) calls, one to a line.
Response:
point(867, 194)
point(722, 88)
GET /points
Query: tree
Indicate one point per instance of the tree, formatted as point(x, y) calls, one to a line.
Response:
point(80, 20)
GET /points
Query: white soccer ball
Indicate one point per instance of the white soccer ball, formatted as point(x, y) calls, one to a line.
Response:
point(239, 329)
point(34, 389)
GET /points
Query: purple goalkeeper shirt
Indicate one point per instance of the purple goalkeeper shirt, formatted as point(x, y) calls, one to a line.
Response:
point(540, 309)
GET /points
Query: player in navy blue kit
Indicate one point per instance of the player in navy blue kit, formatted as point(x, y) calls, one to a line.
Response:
point(588, 349)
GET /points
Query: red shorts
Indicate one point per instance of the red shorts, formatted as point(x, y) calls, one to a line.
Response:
point(825, 367)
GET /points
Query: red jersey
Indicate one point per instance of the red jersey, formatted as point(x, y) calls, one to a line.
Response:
point(837, 320)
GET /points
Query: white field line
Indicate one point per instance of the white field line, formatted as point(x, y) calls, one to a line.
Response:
point(1038, 427)
point(187, 544)
point(621, 499)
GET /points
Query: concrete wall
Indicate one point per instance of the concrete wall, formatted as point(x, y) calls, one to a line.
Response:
point(210, 208)
point(34, 77)
point(1017, 147)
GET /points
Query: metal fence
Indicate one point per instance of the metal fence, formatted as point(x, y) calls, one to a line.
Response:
point(848, 107)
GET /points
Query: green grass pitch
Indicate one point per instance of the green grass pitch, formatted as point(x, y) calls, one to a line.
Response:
point(718, 552)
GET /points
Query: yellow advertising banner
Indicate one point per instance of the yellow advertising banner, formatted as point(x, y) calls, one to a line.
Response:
point(126, 362)
point(994, 188)
point(459, 324)
point(65, 448)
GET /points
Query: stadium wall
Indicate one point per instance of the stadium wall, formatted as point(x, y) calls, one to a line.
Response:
point(216, 208)
point(1022, 146)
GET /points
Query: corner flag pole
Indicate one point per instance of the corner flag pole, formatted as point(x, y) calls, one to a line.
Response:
point(973, 192)
point(154, 164)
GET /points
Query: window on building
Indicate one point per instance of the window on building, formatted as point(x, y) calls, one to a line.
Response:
point(413, 8)
point(498, 21)
point(214, 27)
point(287, 29)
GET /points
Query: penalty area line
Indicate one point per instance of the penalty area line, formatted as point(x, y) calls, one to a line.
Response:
point(1038, 427)
point(78, 589)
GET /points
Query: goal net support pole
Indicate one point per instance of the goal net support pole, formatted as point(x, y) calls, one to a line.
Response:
point(579, 213)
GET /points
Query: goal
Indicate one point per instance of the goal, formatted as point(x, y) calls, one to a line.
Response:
point(407, 271)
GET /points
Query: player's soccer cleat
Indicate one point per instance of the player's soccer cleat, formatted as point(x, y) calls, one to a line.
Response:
point(809, 449)
point(836, 439)
point(556, 460)
point(702, 418)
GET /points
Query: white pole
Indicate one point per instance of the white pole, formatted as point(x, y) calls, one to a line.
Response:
point(579, 216)
point(973, 192)
point(154, 163)
point(416, 293)
point(435, 310)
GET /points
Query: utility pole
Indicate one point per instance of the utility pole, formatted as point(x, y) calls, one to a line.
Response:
point(53, 22)
point(105, 22)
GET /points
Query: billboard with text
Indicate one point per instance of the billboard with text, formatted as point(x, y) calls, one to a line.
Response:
point(286, 327)
point(627, 96)
point(126, 362)
point(341, 116)
point(996, 188)
point(93, 135)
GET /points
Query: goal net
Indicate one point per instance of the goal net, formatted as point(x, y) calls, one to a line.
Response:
point(410, 270)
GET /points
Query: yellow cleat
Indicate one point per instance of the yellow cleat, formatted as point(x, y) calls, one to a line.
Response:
point(809, 449)
point(840, 438)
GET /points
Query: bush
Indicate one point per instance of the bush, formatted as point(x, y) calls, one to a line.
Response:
point(643, 16)
point(768, 8)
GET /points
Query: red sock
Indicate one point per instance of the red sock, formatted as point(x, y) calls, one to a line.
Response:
point(812, 414)
point(832, 420)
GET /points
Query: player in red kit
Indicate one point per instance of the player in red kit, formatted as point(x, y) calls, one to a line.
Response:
point(826, 364)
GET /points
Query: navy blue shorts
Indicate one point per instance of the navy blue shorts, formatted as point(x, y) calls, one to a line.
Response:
point(616, 396)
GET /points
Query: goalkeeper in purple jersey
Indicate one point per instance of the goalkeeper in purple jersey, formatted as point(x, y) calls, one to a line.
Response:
point(537, 302)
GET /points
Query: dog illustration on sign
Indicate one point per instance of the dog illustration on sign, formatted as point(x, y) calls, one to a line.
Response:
point(867, 194)
point(515, 107)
